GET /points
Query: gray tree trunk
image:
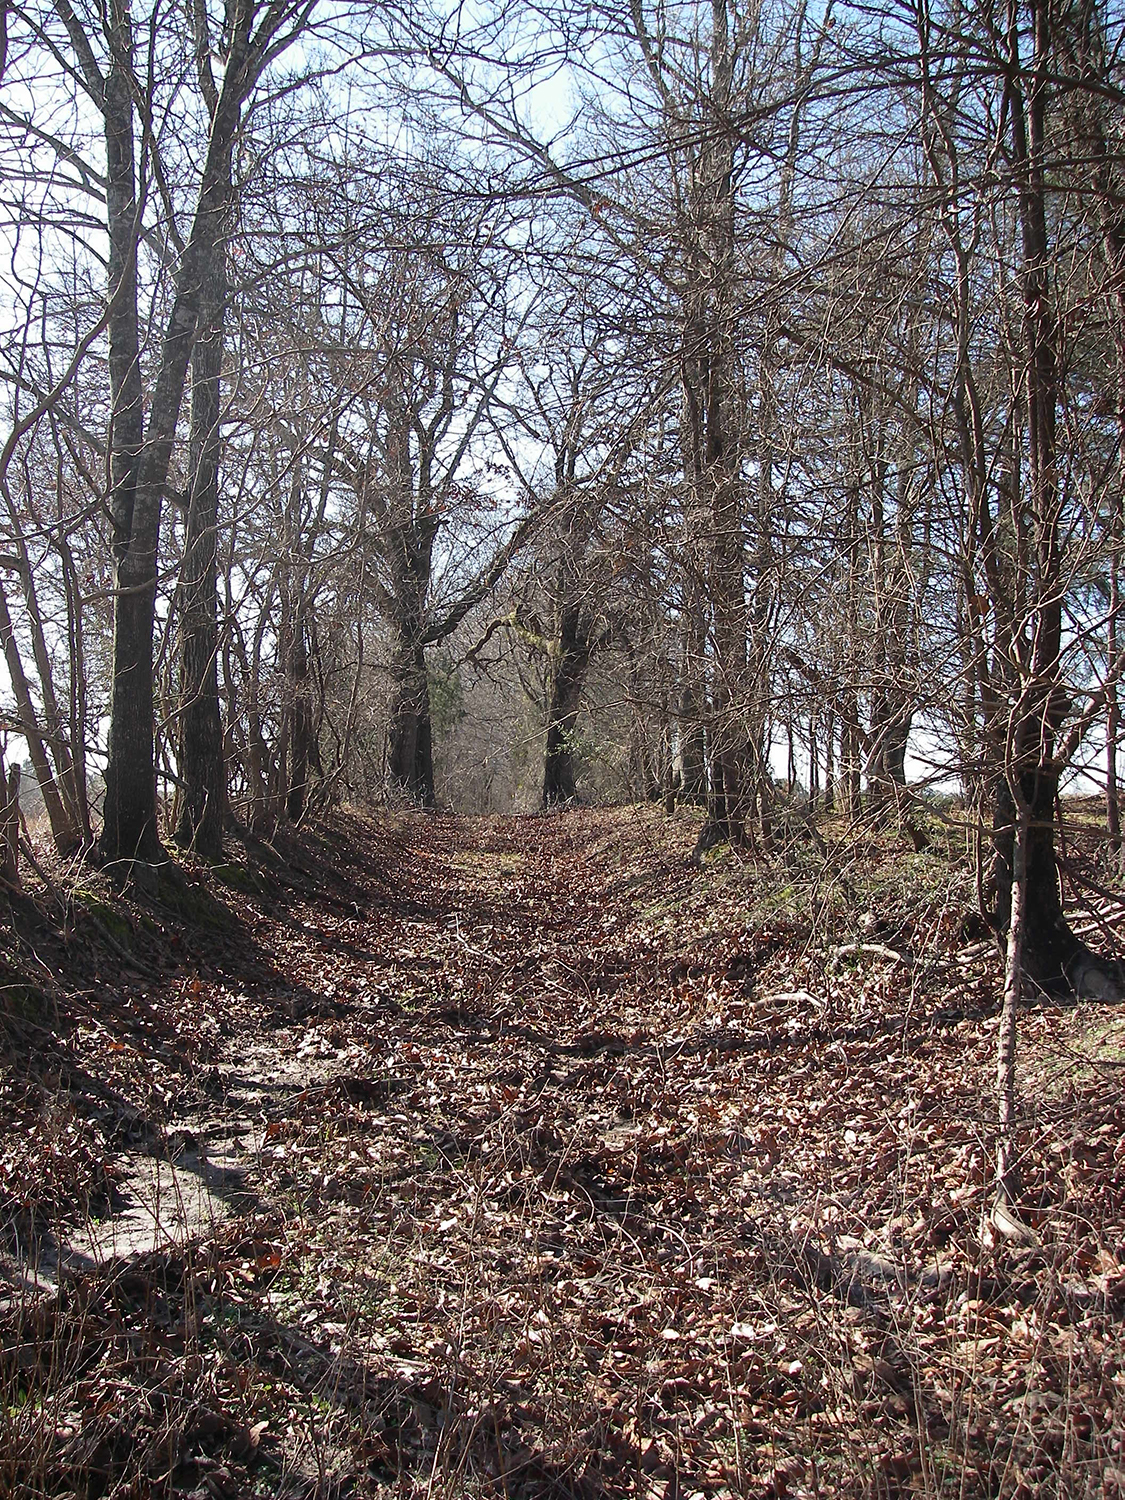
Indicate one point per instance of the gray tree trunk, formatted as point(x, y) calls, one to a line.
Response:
point(201, 767)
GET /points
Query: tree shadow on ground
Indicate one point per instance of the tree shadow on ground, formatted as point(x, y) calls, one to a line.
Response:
point(175, 1375)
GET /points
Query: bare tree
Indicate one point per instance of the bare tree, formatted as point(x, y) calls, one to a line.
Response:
point(102, 61)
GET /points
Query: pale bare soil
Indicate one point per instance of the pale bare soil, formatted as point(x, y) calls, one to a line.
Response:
point(522, 1158)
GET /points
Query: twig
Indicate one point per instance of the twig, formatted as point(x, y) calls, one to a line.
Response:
point(877, 950)
point(29, 854)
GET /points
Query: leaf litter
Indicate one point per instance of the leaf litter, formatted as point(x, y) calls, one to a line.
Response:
point(522, 1157)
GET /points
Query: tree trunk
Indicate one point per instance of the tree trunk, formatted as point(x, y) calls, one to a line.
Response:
point(10, 825)
point(410, 758)
point(140, 454)
point(1007, 1186)
point(567, 679)
point(850, 729)
point(891, 712)
point(63, 830)
point(667, 783)
point(201, 764)
point(689, 716)
point(1116, 255)
point(728, 590)
point(850, 756)
point(1052, 955)
point(79, 716)
point(300, 724)
point(830, 762)
point(814, 763)
point(1113, 709)
point(129, 812)
point(129, 830)
point(74, 831)
point(713, 530)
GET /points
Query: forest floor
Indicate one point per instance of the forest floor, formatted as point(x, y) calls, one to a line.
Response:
point(524, 1158)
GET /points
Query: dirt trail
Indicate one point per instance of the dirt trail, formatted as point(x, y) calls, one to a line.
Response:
point(522, 1158)
point(471, 903)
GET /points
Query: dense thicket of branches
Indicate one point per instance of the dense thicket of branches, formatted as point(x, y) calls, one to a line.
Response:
point(702, 399)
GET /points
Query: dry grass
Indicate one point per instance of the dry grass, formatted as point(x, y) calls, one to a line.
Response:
point(560, 1168)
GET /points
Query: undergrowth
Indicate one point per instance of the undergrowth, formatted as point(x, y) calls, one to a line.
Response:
point(538, 1161)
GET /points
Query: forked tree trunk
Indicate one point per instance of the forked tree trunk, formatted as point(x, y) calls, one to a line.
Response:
point(140, 453)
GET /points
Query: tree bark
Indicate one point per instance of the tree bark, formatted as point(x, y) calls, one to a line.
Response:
point(300, 724)
point(410, 751)
point(63, 829)
point(1113, 708)
point(1052, 955)
point(692, 753)
point(140, 453)
point(1006, 1184)
point(129, 813)
point(10, 824)
point(713, 523)
point(567, 678)
point(201, 765)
